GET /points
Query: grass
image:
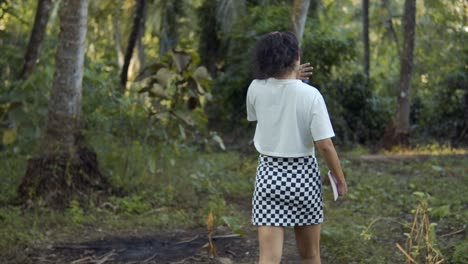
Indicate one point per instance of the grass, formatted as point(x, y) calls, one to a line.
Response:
point(181, 187)
point(385, 193)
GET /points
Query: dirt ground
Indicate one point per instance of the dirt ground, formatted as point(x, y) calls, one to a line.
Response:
point(180, 247)
point(166, 247)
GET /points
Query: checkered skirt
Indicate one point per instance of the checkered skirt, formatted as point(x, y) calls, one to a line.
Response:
point(288, 192)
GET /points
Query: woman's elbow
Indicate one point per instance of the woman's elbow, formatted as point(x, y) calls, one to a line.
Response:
point(325, 145)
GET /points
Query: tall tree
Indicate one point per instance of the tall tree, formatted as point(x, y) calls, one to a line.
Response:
point(216, 21)
point(118, 33)
point(299, 15)
point(36, 38)
point(398, 132)
point(390, 27)
point(365, 36)
point(209, 46)
point(138, 25)
point(66, 168)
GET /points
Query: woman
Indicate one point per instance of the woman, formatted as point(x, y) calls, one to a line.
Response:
point(291, 116)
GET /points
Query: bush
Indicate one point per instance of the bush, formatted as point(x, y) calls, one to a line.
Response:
point(444, 116)
point(357, 114)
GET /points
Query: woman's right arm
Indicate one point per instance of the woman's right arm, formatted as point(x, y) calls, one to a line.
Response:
point(328, 152)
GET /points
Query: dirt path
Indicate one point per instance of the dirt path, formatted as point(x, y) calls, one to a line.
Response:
point(183, 247)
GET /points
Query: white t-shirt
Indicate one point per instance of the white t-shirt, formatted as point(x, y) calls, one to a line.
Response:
point(290, 116)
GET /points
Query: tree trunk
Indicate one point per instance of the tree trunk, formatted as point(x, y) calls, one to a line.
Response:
point(168, 35)
point(365, 36)
point(66, 168)
point(390, 27)
point(209, 45)
point(132, 40)
point(36, 38)
point(299, 15)
point(118, 34)
point(137, 63)
point(398, 132)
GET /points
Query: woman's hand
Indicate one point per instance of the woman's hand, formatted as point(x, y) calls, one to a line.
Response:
point(342, 188)
point(304, 71)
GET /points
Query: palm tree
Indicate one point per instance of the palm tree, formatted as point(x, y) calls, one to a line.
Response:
point(66, 168)
point(299, 16)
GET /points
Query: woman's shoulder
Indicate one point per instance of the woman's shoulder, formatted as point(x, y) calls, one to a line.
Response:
point(306, 90)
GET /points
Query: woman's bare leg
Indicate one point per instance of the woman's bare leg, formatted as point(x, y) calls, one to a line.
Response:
point(270, 239)
point(308, 243)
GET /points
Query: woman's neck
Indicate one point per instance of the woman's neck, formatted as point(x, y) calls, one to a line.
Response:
point(289, 75)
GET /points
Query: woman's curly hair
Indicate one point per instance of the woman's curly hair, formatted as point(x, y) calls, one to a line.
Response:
point(275, 54)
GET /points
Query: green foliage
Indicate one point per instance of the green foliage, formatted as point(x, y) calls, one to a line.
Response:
point(131, 204)
point(450, 115)
point(380, 208)
point(75, 212)
point(357, 114)
point(460, 256)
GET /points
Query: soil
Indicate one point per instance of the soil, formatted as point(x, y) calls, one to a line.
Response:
point(171, 247)
point(175, 247)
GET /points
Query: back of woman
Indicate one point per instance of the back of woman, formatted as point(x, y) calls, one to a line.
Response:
point(291, 119)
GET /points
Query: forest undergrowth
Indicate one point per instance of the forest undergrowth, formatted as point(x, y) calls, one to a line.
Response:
point(177, 190)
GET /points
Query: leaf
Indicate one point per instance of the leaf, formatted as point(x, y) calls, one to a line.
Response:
point(149, 71)
point(159, 92)
point(9, 136)
point(441, 211)
point(182, 132)
point(195, 85)
point(233, 225)
point(220, 141)
point(165, 77)
point(184, 117)
point(152, 165)
point(181, 59)
point(201, 73)
point(438, 168)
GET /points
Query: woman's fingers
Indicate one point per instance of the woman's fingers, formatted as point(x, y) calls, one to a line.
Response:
point(305, 70)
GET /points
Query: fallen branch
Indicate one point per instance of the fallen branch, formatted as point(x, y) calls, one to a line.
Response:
point(453, 233)
point(106, 257)
point(150, 258)
point(187, 241)
point(406, 254)
point(81, 260)
point(226, 236)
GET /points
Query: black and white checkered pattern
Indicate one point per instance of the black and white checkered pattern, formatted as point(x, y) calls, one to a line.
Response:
point(288, 192)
